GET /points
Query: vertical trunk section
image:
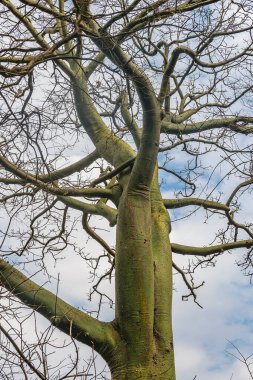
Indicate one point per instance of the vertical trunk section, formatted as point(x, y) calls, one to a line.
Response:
point(143, 289)
point(163, 287)
point(135, 280)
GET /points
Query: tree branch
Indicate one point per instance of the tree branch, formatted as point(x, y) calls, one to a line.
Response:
point(122, 14)
point(71, 321)
point(94, 64)
point(58, 173)
point(49, 51)
point(96, 209)
point(95, 236)
point(89, 192)
point(142, 173)
point(144, 18)
point(71, 169)
point(236, 124)
point(205, 251)
point(129, 121)
point(240, 186)
point(191, 287)
point(176, 203)
point(114, 172)
point(109, 146)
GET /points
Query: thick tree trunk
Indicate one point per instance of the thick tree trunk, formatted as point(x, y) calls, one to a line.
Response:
point(139, 373)
point(143, 289)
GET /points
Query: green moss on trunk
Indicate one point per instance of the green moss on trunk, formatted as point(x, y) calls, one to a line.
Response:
point(143, 289)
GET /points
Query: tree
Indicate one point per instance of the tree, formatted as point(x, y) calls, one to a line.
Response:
point(142, 81)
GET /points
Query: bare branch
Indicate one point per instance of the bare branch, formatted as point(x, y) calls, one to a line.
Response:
point(205, 251)
point(240, 124)
point(67, 318)
point(176, 203)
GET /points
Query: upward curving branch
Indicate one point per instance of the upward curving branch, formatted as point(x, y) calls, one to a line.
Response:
point(52, 189)
point(109, 146)
point(144, 166)
point(71, 321)
point(70, 169)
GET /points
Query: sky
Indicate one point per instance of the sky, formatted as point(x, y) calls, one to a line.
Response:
point(202, 336)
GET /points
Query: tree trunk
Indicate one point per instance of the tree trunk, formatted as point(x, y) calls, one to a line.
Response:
point(139, 373)
point(143, 289)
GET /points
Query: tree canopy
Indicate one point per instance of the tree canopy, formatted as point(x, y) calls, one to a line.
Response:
point(137, 113)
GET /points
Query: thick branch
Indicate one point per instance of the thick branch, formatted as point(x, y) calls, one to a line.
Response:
point(205, 251)
point(58, 173)
point(92, 66)
point(237, 124)
point(143, 170)
point(95, 209)
point(29, 178)
point(176, 203)
point(168, 71)
point(68, 319)
point(71, 169)
point(110, 147)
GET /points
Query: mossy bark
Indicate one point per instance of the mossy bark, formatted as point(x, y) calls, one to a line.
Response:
point(143, 289)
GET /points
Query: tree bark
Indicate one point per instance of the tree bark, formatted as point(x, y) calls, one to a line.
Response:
point(143, 289)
